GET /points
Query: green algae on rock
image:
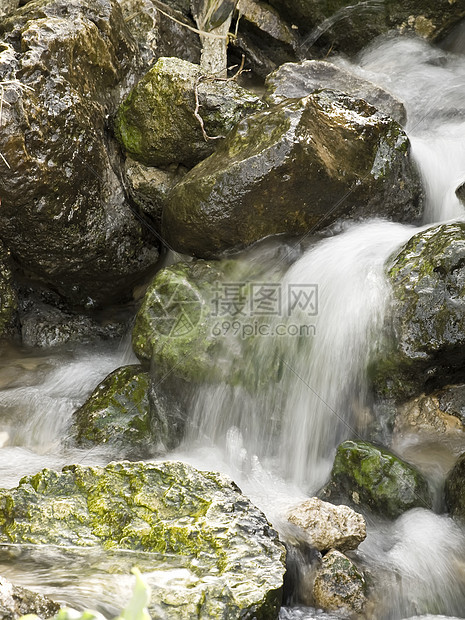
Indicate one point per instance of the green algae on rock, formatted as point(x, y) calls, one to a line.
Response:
point(285, 170)
point(117, 413)
point(373, 478)
point(157, 125)
point(168, 508)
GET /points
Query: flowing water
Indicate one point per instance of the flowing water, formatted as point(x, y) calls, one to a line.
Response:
point(278, 446)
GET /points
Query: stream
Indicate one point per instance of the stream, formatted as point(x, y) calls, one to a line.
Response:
point(320, 401)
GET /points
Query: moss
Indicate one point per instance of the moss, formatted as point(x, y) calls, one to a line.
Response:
point(379, 480)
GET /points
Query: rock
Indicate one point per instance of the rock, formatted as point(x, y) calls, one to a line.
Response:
point(8, 296)
point(327, 526)
point(64, 215)
point(16, 601)
point(265, 39)
point(347, 26)
point(374, 479)
point(158, 34)
point(339, 585)
point(46, 327)
point(117, 413)
point(149, 188)
point(296, 80)
point(455, 489)
point(434, 414)
point(428, 313)
point(231, 555)
point(293, 169)
point(7, 7)
point(156, 123)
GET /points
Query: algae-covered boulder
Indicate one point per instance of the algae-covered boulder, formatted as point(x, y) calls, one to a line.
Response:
point(16, 601)
point(231, 554)
point(348, 26)
point(172, 327)
point(375, 479)
point(339, 585)
point(327, 526)
point(297, 167)
point(157, 124)
point(117, 413)
point(455, 489)
point(428, 313)
point(295, 80)
point(64, 216)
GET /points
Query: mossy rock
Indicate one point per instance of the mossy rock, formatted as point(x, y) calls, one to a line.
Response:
point(167, 508)
point(376, 480)
point(297, 167)
point(117, 413)
point(427, 312)
point(157, 125)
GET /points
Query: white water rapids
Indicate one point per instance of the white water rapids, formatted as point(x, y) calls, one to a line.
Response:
point(280, 448)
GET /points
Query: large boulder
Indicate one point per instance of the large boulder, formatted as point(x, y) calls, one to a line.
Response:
point(157, 123)
point(64, 215)
point(339, 585)
point(348, 26)
point(233, 562)
point(327, 526)
point(296, 80)
point(455, 489)
point(427, 313)
point(376, 480)
point(16, 601)
point(300, 166)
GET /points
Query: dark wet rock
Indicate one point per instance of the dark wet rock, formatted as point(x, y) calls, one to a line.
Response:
point(348, 26)
point(117, 413)
point(16, 601)
point(157, 33)
point(339, 585)
point(428, 314)
point(233, 560)
point(376, 480)
point(8, 296)
point(149, 188)
point(263, 36)
point(64, 215)
point(46, 327)
point(300, 166)
point(455, 489)
point(295, 80)
point(156, 124)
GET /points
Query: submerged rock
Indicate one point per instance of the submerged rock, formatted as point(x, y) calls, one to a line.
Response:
point(233, 555)
point(296, 80)
point(297, 167)
point(117, 413)
point(374, 479)
point(64, 215)
point(428, 313)
point(339, 585)
point(327, 526)
point(16, 601)
point(348, 26)
point(455, 489)
point(157, 125)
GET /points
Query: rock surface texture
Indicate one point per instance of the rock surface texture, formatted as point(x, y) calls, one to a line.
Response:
point(233, 560)
point(297, 167)
point(64, 215)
